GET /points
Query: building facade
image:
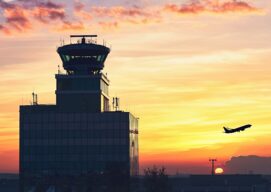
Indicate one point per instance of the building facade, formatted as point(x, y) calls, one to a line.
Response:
point(79, 135)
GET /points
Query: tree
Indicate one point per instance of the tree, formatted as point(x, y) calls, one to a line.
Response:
point(156, 180)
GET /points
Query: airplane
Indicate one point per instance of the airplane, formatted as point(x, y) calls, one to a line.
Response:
point(238, 129)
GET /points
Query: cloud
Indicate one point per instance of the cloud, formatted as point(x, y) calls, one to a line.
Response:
point(249, 164)
point(78, 6)
point(46, 15)
point(192, 8)
point(4, 29)
point(69, 26)
point(120, 11)
point(22, 15)
point(49, 5)
point(118, 15)
point(238, 6)
point(49, 11)
point(6, 5)
point(80, 12)
point(17, 18)
point(19, 15)
point(212, 6)
point(45, 11)
point(115, 16)
point(35, 3)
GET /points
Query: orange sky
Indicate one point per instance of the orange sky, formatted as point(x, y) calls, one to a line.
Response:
point(185, 69)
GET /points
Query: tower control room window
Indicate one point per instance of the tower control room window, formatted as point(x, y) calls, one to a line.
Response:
point(65, 58)
point(100, 58)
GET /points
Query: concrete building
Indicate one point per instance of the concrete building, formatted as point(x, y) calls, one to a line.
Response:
point(79, 135)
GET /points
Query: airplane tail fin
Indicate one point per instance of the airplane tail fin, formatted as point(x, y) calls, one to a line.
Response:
point(225, 129)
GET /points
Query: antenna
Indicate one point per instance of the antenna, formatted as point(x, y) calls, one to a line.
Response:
point(73, 36)
point(34, 99)
point(116, 102)
point(58, 70)
point(213, 165)
point(83, 37)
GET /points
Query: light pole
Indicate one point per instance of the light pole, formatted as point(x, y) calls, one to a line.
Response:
point(213, 165)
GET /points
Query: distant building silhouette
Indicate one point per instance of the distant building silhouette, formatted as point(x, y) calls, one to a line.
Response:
point(79, 136)
point(210, 183)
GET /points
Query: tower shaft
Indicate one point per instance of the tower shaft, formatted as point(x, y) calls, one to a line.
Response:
point(87, 93)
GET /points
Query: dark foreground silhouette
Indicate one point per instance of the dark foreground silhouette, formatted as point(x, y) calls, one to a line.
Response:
point(238, 129)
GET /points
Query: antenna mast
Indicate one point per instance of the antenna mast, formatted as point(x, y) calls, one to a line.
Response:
point(34, 98)
point(213, 165)
point(116, 102)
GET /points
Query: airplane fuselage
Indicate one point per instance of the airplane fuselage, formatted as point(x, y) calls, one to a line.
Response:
point(238, 129)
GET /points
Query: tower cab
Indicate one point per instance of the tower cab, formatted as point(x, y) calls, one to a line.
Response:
point(84, 87)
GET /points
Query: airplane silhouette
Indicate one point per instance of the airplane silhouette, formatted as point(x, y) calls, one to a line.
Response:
point(238, 129)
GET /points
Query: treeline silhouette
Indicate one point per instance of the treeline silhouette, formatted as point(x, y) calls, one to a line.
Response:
point(112, 180)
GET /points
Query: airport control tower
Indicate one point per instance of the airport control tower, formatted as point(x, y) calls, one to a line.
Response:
point(85, 87)
point(79, 135)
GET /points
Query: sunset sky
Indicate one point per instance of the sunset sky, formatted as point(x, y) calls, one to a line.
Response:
point(186, 68)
